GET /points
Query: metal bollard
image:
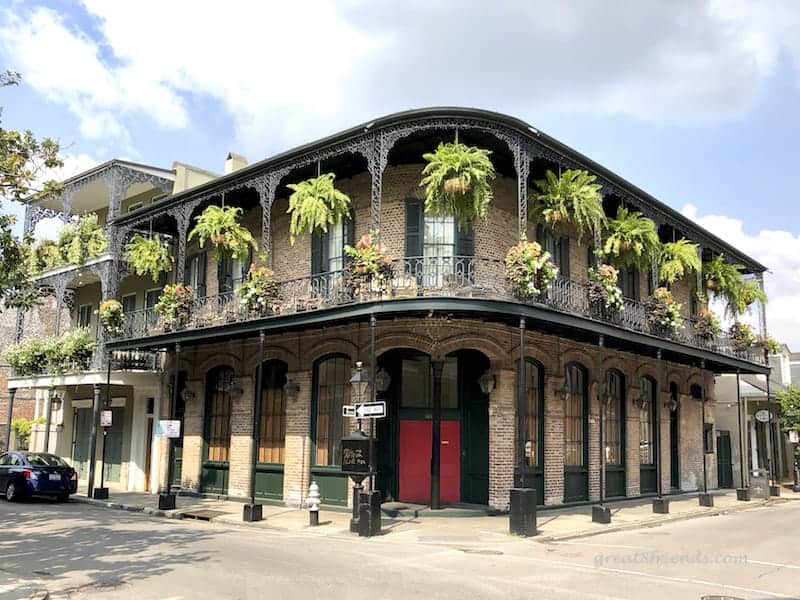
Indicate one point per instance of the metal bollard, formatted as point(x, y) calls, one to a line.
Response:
point(313, 504)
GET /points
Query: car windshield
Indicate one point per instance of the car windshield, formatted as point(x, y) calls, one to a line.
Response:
point(45, 460)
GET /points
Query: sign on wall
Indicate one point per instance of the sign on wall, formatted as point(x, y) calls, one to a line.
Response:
point(106, 418)
point(762, 415)
point(168, 429)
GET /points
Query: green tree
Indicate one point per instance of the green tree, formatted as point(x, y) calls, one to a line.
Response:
point(789, 400)
point(24, 160)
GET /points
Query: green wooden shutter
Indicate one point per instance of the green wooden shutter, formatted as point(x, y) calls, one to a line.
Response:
point(225, 275)
point(563, 258)
point(200, 292)
point(414, 228)
point(319, 253)
point(465, 241)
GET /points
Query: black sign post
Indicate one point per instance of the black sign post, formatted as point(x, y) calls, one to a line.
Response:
point(356, 462)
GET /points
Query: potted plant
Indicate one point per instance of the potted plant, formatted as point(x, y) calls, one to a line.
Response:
point(369, 269)
point(573, 198)
point(259, 290)
point(769, 344)
point(663, 312)
point(603, 290)
point(742, 336)
point(175, 304)
point(676, 260)
point(220, 225)
point(110, 314)
point(631, 240)
point(457, 182)
point(529, 269)
point(82, 240)
point(148, 255)
point(314, 204)
point(708, 325)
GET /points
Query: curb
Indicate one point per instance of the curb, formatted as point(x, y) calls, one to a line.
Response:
point(653, 522)
point(134, 508)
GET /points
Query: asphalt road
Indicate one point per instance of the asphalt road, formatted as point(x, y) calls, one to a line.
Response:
point(81, 552)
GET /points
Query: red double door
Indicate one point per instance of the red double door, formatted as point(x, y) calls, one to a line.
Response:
point(416, 437)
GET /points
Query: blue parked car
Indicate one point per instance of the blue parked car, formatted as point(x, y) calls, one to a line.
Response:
point(25, 474)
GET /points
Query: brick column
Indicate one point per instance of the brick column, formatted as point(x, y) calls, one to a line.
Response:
point(192, 461)
point(632, 458)
point(691, 448)
point(297, 455)
point(554, 441)
point(502, 431)
point(241, 447)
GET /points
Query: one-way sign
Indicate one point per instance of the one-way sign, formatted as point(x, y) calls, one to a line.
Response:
point(371, 410)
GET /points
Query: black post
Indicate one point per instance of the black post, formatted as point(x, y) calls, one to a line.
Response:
point(775, 485)
point(48, 420)
point(11, 393)
point(660, 504)
point(705, 498)
point(522, 500)
point(101, 493)
point(93, 441)
point(743, 493)
point(436, 437)
point(373, 369)
point(166, 500)
point(602, 514)
point(252, 511)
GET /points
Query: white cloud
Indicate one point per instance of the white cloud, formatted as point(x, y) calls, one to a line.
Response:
point(779, 251)
point(285, 72)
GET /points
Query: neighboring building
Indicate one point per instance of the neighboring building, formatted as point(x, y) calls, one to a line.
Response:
point(447, 335)
point(794, 368)
point(760, 434)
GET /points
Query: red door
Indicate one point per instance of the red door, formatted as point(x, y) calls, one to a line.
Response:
point(415, 461)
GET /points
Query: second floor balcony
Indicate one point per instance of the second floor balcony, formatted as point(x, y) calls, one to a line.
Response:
point(457, 277)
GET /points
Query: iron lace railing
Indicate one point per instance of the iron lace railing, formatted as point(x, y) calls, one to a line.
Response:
point(413, 277)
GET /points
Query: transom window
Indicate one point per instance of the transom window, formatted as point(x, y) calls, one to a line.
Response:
point(417, 383)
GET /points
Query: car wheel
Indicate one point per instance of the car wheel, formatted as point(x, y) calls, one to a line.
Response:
point(62, 498)
point(12, 493)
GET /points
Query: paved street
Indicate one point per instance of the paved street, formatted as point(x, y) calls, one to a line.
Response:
point(79, 552)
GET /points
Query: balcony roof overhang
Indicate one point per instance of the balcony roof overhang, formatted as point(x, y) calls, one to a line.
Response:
point(690, 228)
point(542, 319)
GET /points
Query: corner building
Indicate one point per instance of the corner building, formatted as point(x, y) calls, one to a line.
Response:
point(451, 339)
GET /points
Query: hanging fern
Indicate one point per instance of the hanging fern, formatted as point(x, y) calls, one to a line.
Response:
point(220, 226)
point(314, 204)
point(744, 295)
point(631, 240)
point(457, 182)
point(148, 255)
point(82, 240)
point(677, 259)
point(44, 255)
point(725, 281)
point(573, 198)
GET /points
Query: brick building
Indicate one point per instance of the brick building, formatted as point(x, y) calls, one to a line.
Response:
point(449, 335)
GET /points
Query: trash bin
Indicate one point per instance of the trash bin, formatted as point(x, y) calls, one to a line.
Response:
point(759, 484)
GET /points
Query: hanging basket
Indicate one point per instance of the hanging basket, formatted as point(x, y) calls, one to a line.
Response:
point(455, 187)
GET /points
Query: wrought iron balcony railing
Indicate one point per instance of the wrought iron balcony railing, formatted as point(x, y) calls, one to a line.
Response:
point(457, 276)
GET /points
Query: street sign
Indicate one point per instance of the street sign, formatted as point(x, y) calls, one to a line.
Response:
point(371, 410)
point(106, 418)
point(348, 410)
point(762, 415)
point(168, 429)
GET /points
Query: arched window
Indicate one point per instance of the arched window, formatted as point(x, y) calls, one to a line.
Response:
point(218, 414)
point(272, 425)
point(646, 421)
point(615, 386)
point(575, 417)
point(534, 401)
point(332, 391)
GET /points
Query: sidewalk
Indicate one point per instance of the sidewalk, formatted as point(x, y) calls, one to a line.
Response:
point(443, 528)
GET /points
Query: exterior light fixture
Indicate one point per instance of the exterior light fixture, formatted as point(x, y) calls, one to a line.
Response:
point(642, 401)
point(57, 402)
point(487, 382)
point(187, 395)
point(236, 388)
point(382, 380)
point(672, 404)
point(360, 384)
point(291, 388)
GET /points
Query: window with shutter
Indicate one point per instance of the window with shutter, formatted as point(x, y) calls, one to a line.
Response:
point(558, 247)
point(629, 283)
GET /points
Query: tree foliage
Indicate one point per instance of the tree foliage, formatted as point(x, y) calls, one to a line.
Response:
point(457, 182)
point(789, 400)
point(571, 199)
point(23, 161)
point(314, 204)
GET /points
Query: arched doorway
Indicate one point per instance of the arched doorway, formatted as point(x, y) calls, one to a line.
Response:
point(271, 431)
point(576, 434)
point(648, 437)
point(217, 431)
point(405, 436)
point(615, 434)
point(533, 442)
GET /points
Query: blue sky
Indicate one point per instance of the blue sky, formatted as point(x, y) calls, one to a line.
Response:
point(695, 102)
